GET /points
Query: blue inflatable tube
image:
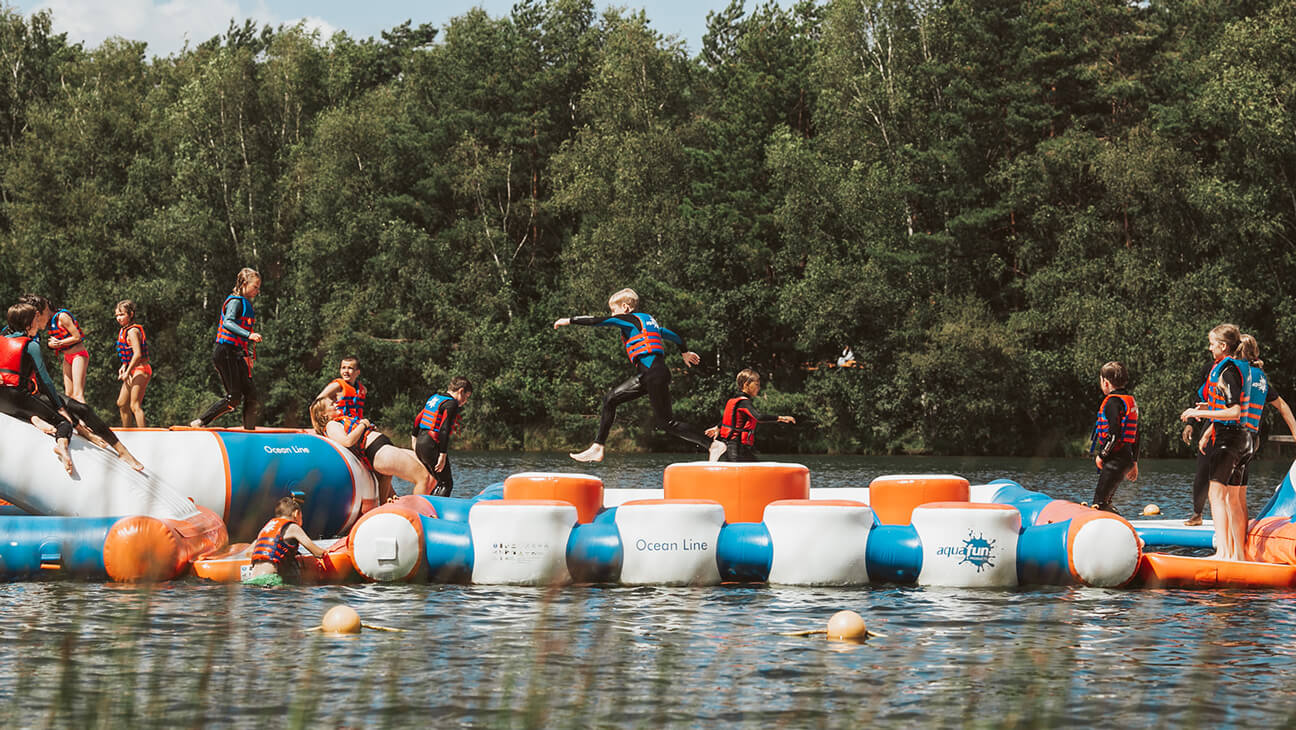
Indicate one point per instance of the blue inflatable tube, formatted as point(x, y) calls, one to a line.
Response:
point(744, 552)
point(30, 545)
point(894, 554)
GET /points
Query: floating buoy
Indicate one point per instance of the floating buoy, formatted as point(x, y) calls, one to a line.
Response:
point(341, 620)
point(847, 626)
point(1151, 509)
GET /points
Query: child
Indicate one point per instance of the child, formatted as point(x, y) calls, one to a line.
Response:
point(235, 352)
point(642, 338)
point(432, 431)
point(274, 553)
point(1117, 435)
point(346, 393)
point(737, 430)
point(1229, 440)
point(135, 371)
point(20, 360)
point(372, 448)
point(67, 338)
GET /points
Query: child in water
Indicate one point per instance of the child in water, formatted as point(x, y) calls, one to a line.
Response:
point(274, 553)
point(737, 429)
point(643, 339)
point(1117, 435)
point(435, 424)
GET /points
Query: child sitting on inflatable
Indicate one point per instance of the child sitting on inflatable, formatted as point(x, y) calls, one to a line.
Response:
point(737, 429)
point(374, 449)
point(435, 424)
point(642, 338)
point(274, 553)
point(1116, 433)
point(346, 393)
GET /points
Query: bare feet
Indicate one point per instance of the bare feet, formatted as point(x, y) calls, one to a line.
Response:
point(593, 453)
point(1193, 521)
point(195, 423)
point(61, 451)
point(716, 450)
point(45, 428)
point(128, 457)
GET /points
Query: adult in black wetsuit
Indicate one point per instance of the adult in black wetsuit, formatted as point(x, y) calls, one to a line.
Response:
point(643, 340)
point(235, 352)
point(1192, 433)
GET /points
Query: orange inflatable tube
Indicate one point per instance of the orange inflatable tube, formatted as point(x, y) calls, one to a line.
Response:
point(582, 491)
point(140, 548)
point(743, 490)
point(1157, 570)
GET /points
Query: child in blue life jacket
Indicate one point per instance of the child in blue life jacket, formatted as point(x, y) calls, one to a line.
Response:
point(737, 429)
point(275, 550)
point(1117, 435)
point(435, 424)
point(235, 351)
point(643, 339)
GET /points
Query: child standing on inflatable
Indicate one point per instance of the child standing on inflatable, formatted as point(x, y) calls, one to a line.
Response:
point(67, 339)
point(435, 424)
point(1260, 394)
point(275, 550)
point(642, 337)
point(21, 364)
point(1228, 396)
point(1117, 435)
point(346, 392)
point(235, 352)
point(737, 429)
point(135, 371)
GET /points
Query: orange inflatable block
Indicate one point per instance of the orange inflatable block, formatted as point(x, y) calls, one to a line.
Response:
point(743, 490)
point(582, 491)
point(1158, 570)
point(226, 566)
point(1272, 540)
point(894, 497)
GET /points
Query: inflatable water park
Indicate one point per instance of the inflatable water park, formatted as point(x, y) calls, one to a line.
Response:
point(206, 492)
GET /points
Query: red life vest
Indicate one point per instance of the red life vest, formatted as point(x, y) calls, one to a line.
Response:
point(737, 423)
point(352, 400)
point(433, 417)
point(246, 320)
point(124, 350)
point(270, 545)
point(647, 341)
point(1128, 429)
point(60, 332)
point(11, 356)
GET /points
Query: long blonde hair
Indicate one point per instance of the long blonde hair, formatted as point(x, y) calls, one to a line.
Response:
point(244, 276)
point(319, 415)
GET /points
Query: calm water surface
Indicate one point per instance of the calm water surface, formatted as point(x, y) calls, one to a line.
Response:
point(191, 653)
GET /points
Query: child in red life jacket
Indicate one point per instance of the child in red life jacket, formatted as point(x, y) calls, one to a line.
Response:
point(135, 371)
point(274, 553)
point(435, 424)
point(1116, 433)
point(346, 393)
point(644, 341)
point(737, 430)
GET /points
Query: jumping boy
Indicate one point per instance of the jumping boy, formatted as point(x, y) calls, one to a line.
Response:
point(1116, 433)
point(642, 338)
point(274, 553)
point(737, 429)
point(435, 424)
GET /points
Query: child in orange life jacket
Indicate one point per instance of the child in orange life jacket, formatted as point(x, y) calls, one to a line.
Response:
point(346, 393)
point(643, 339)
point(737, 429)
point(274, 552)
point(433, 428)
point(235, 351)
point(135, 371)
point(68, 340)
point(1116, 432)
point(371, 447)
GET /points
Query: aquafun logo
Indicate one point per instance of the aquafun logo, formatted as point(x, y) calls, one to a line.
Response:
point(975, 550)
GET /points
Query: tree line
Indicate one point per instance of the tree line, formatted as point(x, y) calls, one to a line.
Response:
point(986, 199)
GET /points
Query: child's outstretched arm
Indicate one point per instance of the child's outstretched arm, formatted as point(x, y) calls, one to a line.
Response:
point(295, 532)
point(1286, 412)
point(690, 358)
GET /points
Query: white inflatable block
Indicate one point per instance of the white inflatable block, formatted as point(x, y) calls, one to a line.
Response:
point(983, 493)
point(619, 496)
point(520, 542)
point(818, 543)
point(967, 544)
point(669, 542)
point(1105, 553)
point(386, 547)
point(859, 494)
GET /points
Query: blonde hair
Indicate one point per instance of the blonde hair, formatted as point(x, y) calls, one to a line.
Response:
point(1248, 349)
point(319, 415)
point(745, 376)
point(245, 275)
point(625, 296)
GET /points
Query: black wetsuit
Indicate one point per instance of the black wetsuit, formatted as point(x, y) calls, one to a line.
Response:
point(234, 371)
point(1201, 476)
point(1232, 444)
point(1117, 455)
point(429, 446)
point(21, 403)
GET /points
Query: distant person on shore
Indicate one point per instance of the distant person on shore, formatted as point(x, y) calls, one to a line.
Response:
point(435, 424)
point(847, 358)
point(21, 365)
point(275, 550)
point(135, 371)
point(737, 429)
point(346, 393)
point(1117, 435)
point(1224, 408)
point(371, 447)
point(235, 352)
point(642, 338)
point(67, 339)
point(1193, 431)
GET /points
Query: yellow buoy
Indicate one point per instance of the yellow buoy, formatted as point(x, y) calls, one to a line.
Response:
point(341, 620)
point(1151, 509)
point(847, 626)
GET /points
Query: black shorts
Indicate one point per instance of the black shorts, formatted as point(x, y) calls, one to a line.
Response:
point(371, 450)
point(1229, 455)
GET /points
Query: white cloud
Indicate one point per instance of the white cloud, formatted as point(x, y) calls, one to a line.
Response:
point(164, 24)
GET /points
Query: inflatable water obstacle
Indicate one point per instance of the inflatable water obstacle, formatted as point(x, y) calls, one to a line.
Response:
point(708, 523)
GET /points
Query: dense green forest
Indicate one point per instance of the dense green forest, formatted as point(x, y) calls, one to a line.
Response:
point(986, 199)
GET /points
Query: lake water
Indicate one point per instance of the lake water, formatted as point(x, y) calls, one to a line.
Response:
point(192, 653)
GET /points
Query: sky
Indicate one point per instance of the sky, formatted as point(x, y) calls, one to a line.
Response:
point(166, 24)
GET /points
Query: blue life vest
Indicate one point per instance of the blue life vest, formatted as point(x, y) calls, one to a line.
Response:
point(1219, 398)
point(647, 341)
point(1256, 393)
point(59, 332)
point(433, 418)
point(246, 320)
point(124, 350)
